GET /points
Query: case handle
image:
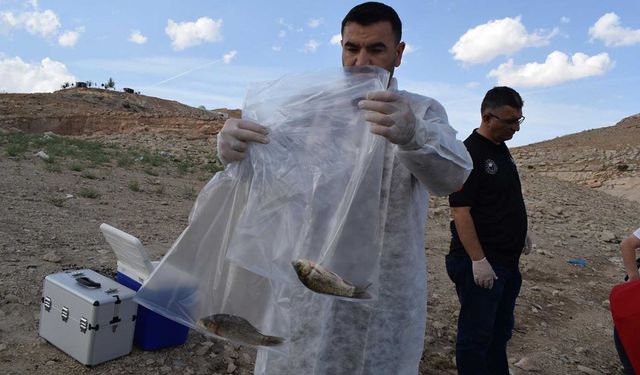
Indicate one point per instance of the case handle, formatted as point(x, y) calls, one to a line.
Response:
point(88, 283)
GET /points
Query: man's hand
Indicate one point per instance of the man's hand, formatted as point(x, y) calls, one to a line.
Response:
point(391, 116)
point(528, 245)
point(235, 136)
point(483, 273)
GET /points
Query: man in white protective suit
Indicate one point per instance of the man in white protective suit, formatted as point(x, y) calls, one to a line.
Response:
point(332, 336)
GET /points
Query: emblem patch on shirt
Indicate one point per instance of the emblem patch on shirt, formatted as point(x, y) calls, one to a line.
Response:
point(490, 166)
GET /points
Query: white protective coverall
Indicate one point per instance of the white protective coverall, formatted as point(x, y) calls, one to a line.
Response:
point(332, 336)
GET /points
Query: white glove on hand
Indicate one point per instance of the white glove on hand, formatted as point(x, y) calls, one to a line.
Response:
point(391, 116)
point(235, 137)
point(483, 273)
point(528, 245)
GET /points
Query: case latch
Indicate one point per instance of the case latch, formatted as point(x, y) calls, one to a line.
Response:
point(84, 323)
point(47, 303)
point(64, 313)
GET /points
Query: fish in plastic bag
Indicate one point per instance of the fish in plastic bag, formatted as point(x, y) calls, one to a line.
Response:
point(237, 329)
point(321, 280)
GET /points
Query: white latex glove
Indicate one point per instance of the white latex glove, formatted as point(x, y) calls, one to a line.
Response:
point(235, 136)
point(528, 245)
point(483, 273)
point(391, 116)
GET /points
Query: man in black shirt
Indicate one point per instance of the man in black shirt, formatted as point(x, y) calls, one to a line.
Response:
point(488, 234)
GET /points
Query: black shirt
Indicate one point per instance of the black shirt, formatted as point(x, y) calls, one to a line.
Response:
point(494, 193)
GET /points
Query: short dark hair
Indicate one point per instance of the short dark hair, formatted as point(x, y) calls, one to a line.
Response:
point(372, 12)
point(500, 96)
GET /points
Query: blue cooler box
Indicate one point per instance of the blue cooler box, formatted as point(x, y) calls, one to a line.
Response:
point(153, 331)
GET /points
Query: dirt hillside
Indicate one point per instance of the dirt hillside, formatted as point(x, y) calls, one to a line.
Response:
point(144, 179)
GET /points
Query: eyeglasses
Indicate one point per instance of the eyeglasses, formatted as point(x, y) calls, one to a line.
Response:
point(516, 121)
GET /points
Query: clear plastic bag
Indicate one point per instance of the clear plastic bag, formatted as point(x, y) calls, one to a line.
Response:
point(194, 281)
point(315, 190)
point(312, 193)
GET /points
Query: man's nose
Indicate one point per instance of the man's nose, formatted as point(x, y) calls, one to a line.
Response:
point(362, 59)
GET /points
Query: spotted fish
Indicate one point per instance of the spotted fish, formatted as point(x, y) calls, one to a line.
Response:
point(237, 329)
point(321, 280)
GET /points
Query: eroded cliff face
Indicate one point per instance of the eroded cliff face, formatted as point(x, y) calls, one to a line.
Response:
point(606, 159)
point(83, 111)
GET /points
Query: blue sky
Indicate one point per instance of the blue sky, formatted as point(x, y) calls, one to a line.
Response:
point(576, 63)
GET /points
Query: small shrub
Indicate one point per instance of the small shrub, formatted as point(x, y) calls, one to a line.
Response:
point(184, 167)
point(88, 193)
point(57, 201)
point(213, 166)
point(124, 160)
point(159, 189)
point(189, 192)
point(16, 149)
point(150, 171)
point(89, 175)
point(134, 186)
point(17, 143)
point(152, 158)
point(52, 166)
point(77, 167)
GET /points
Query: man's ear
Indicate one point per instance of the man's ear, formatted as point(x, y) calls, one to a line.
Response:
point(399, 50)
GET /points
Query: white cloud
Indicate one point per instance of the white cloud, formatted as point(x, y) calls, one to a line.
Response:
point(556, 69)
point(565, 19)
point(409, 48)
point(472, 85)
point(498, 37)
point(609, 30)
point(188, 34)
point(276, 48)
point(19, 76)
point(137, 37)
point(282, 34)
point(70, 38)
point(311, 46)
point(229, 56)
point(314, 22)
point(44, 23)
point(336, 39)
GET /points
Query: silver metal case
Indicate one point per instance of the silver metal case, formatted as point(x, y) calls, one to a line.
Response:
point(87, 315)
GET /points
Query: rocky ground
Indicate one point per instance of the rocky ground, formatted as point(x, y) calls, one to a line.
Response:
point(50, 212)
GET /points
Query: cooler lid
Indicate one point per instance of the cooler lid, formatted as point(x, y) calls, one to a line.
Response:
point(129, 250)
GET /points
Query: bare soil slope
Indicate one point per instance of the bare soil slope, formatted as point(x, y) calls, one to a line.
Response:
point(79, 111)
point(50, 212)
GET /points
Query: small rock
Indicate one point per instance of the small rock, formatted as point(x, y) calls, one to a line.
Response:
point(588, 370)
point(607, 236)
point(3, 347)
point(42, 155)
point(527, 364)
point(52, 257)
point(429, 339)
point(246, 357)
point(11, 298)
point(231, 368)
point(202, 350)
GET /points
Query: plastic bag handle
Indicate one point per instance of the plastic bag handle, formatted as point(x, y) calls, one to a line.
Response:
point(88, 283)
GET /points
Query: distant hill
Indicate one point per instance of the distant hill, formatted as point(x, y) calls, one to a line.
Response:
point(607, 159)
point(83, 111)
